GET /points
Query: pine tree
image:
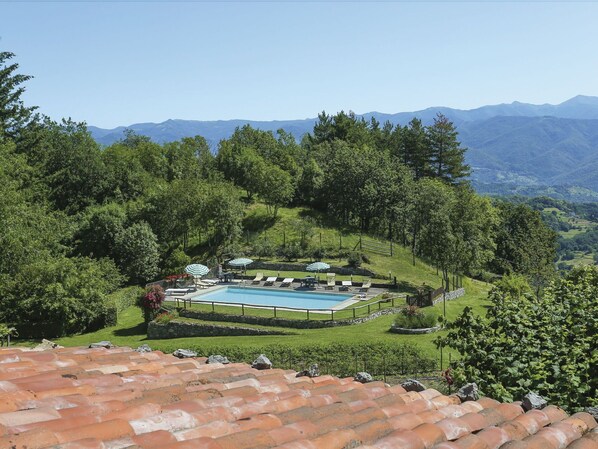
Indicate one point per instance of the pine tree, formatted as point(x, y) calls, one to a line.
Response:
point(447, 157)
point(13, 113)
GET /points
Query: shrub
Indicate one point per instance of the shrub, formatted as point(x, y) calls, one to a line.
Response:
point(263, 248)
point(165, 317)
point(413, 317)
point(151, 302)
point(290, 252)
point(354, 259)
point(318, 253)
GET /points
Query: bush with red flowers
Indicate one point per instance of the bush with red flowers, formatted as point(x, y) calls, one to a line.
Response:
point(151, 302)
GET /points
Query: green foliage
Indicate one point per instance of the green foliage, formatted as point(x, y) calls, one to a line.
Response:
point(176, 261)
point(14, 115)
point(354, 259)
point(165, 317)
point(548, 344)
point(524, 244)
point(413, 317)
point(137, 253)
point(125, 297)
point(60, 296)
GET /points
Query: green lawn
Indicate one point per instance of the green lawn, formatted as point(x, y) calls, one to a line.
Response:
point(130, 331)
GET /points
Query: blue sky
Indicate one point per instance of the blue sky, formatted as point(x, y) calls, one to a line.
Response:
point(110, 63)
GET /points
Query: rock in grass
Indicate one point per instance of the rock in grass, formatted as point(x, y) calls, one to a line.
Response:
point(533, 401)
point(468, 392)
point(102, 344)
point(413, 385)
point(46, 345)
point(313, 371)
point(218, 359)
point(261, 363)
point(184, 353)
point(144, 348)
point(363, 377)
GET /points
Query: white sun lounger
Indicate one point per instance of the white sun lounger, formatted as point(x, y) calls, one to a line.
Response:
point(346, 285)
point(270, 280)
point(286, 282)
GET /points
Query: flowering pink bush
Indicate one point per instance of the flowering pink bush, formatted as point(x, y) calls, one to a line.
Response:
point(152, 301)
point(153, 298)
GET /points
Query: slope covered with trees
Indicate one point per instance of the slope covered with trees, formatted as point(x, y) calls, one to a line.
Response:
point(80, 220)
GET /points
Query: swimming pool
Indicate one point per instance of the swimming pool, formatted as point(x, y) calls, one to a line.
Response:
point(278, 298)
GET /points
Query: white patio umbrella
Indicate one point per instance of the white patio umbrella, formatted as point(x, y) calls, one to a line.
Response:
point(317, 266)
point(197, 270)
point(240, 262)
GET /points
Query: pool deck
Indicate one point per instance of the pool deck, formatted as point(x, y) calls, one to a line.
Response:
point(357, 297)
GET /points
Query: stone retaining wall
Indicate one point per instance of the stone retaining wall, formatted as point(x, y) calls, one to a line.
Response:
point(180, 329)
point(451, 295)
point(284, 322)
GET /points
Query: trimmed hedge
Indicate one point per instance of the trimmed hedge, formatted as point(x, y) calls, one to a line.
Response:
point(120, 300)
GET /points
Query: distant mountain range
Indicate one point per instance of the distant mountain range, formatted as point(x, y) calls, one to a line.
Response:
point(510, 145)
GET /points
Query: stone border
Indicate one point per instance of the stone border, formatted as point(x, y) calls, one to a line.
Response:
point(423, 330)
point(284, 322)
point(181, 329)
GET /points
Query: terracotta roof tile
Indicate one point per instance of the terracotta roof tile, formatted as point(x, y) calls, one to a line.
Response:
point(80, 398)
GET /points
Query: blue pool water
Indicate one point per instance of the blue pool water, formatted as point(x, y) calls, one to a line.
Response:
point(279, 298)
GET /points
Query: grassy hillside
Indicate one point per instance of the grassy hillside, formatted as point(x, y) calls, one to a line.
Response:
point(130, 328)
point(336, 244)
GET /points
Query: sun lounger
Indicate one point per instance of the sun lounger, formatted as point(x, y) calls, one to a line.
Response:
point(258, 278)
point(270, 281)
point(179, 291)
point(286, 282)
point(202, 284)
point(346, 285)
point(331, 282)
point(366, 286)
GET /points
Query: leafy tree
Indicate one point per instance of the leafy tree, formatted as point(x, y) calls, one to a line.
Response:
point(547, 343)
point(14, 115)
point(524, 244)
point(222, 219)
point(137, 253)
point(96, 236)
point(189, 158)
point(71, 166)
point(276, 188)
point(64, 296)
point(30, 230)
point(437, 237)
point(127, 179)
point(447, 158)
